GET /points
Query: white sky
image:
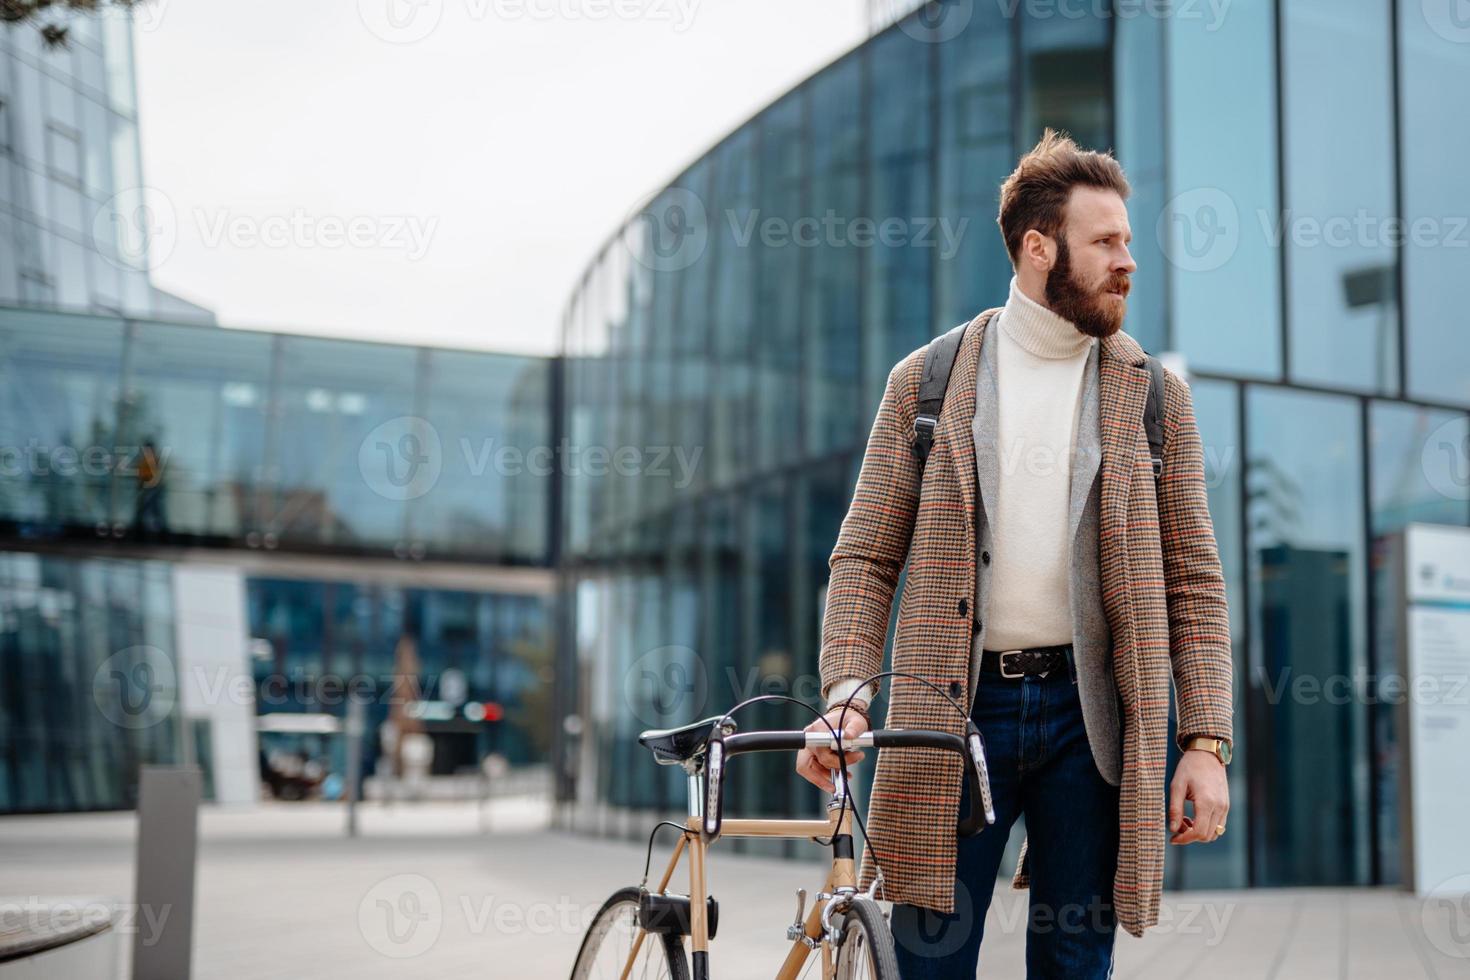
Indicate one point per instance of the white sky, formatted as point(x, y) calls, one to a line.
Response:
point(514, 136)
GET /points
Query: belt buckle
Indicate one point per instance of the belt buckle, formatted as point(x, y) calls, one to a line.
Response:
point(1003, 671)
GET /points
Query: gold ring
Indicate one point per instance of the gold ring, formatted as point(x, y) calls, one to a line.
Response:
point(1219, 829)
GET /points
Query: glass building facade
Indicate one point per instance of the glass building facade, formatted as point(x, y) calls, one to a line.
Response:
point(368, 495)
point(74, 225)
point(1299, 218)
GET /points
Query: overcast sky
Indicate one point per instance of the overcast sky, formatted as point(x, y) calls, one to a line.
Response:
point(436, 171)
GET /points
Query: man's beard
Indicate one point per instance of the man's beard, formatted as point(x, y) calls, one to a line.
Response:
point(1092, 311)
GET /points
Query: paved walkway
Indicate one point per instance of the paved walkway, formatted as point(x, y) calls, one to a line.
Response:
point(425, 893)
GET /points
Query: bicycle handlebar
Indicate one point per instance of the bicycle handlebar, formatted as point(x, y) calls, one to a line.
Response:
point(971, 748)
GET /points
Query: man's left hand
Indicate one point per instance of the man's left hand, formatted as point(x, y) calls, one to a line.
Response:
point(1200, 777)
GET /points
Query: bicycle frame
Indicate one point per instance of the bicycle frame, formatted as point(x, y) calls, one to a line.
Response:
point(843, 874)
point(706, 824)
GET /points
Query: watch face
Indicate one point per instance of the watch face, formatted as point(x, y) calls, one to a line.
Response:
point(1224, 752)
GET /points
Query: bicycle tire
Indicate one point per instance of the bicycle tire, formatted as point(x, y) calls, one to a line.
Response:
point(865, 947)
point(621, 905)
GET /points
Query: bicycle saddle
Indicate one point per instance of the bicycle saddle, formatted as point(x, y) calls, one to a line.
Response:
point(672, 746)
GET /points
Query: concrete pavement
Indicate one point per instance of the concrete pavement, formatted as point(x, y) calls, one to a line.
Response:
point(426, 892)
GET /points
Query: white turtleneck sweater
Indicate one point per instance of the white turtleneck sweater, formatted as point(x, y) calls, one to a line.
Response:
point(1038, 371)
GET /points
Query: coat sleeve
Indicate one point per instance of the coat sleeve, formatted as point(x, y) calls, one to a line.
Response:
point(1194, 584)
point(873, 543)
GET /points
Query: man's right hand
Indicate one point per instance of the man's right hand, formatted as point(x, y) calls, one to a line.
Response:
point(816, 765)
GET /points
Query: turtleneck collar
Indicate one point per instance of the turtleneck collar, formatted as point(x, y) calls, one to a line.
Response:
point(1038, 329)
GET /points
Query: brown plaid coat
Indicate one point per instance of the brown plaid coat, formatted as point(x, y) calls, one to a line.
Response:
point(1163, 594)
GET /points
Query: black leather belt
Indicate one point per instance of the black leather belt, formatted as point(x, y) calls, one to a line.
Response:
point(1015, 664)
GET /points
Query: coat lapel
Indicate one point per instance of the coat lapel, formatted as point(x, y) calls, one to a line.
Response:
point(959, 411)
point(1088, 455)
point(1122, 391)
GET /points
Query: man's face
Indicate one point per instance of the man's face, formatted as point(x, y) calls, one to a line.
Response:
point(1090, 280)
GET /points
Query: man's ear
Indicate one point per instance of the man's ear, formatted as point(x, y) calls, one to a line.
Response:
point(1039, 250)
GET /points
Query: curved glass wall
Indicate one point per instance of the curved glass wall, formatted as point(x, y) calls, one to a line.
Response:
point(745, 323)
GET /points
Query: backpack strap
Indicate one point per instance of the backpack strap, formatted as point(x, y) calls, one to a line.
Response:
point(1153, 414)
point(938, 362)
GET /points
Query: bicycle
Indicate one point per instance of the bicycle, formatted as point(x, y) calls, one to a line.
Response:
point(847, 927)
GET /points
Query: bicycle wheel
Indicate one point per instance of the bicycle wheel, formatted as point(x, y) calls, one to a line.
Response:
point(610, 938)
point(865, 947)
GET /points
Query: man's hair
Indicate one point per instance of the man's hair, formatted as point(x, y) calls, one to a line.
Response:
point(1035, 194)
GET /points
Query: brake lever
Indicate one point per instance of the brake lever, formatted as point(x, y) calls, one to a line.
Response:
point(977, 756)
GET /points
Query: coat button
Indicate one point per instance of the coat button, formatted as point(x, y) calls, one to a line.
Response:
point(955, 690)
point(985, 557)
point(964, 607)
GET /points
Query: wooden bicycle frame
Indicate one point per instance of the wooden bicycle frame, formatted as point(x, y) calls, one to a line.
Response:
point(837, 826)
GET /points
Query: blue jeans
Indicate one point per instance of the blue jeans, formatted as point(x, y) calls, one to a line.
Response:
point(1040, 765)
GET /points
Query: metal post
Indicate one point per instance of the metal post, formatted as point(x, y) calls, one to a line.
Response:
point(168, 829)
point(353, 732)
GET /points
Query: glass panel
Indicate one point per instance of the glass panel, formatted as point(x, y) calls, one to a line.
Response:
point(199, 397)
point(489, 416)
point(1419, 470)
point(345, 414)
point(1225, 863)
point(1307, 576)
point(59, 387)
point(1434, 61)
point(898, 287)
point(1138, 65)
point(831, 329)
point(783, 239)
point(1225, 273)
point(974, 157)
point(90, 692)
point(1066, 69)
point(732, 437)
point(1341, 256)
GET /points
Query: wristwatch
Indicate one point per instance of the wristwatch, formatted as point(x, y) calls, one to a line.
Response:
point(1218, 746)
